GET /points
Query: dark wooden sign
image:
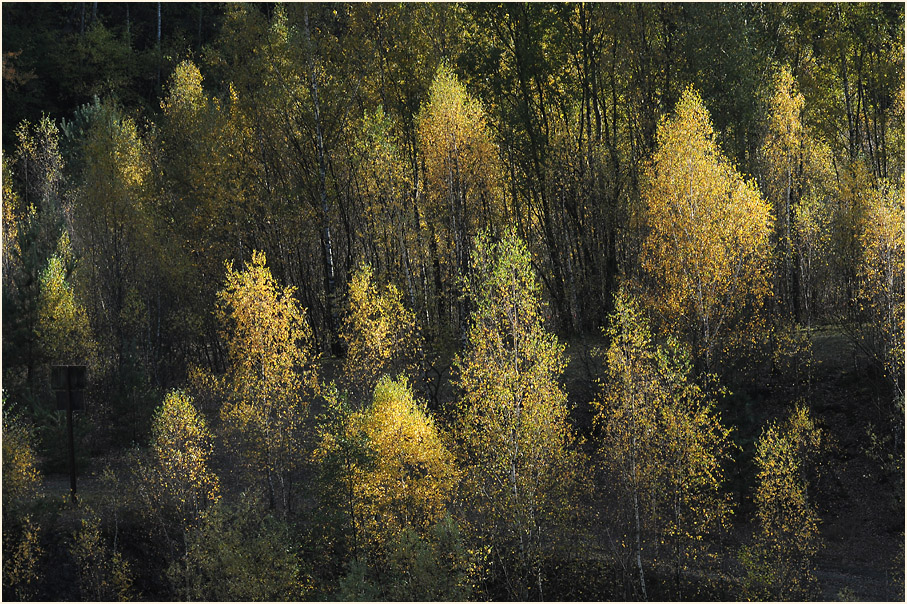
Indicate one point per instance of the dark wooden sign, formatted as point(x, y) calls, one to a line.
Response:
point(69, 382)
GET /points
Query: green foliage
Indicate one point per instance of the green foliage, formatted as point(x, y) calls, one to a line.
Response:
point(780, 562)
point(236, 553)
point(35, 213)
point(367, 145)
point(341, 453)
point(518, 448)
point(416, 568)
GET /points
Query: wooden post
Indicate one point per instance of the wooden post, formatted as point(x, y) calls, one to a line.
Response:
point(72, 449)
point(69, 382)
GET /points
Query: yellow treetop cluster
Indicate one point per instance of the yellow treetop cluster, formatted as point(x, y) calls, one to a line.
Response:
point(272, 370)
point(708, 248)
point(413, 474)
point(379, 330)
point(403, 476)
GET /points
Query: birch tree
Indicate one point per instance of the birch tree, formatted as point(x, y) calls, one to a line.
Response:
point(271, 374)
point(707, 253)
point(517, 442)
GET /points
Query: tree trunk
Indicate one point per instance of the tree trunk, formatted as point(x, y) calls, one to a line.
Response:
point(638, 531)
point(326, 242)
point(160, 57)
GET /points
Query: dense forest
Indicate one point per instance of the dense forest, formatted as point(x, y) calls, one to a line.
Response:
point(454, 301)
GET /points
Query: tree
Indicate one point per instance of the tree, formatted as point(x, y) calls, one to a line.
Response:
point(380, 332)
point(176, 481)
point(272, 371)
point(237, 554)
point(22, 551)
point(391, 240)
point(779, 563)
point(628, 415)
point(22, 558)
point(36, 209)
point(783, 154)
point(11, 218)
point(204, 184)
point(20, 463)
point(707, 252)
point(391, 461)
point(881, 286)
point(413, 474)
point(432, 567)
point(692, 509)
point(103, 573)
point(517, 443)
point(462, 184)
point(62, 330)
point(115, 238)
point(664, 444)
point(181, 446)
point(811, 233)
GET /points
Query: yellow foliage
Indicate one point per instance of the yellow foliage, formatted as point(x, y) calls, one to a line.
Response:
point(463, 189)
point(186, 94)
point(20, 464)
point(460, 158)
point(780, 561)
point(388, 214)
point(708, 249)
point(11, 217)
point(181, 482)
point(21, 556)
point(379, 330)
point(272, 370)
point(663, 442)
point(103, 574)
point(62, 327)
point(405, 476)
point(882, 275)
point(516, 439)
point(413, 474)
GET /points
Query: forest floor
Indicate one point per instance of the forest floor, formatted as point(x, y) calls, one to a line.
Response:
point(862, 516)
point(861, 507)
